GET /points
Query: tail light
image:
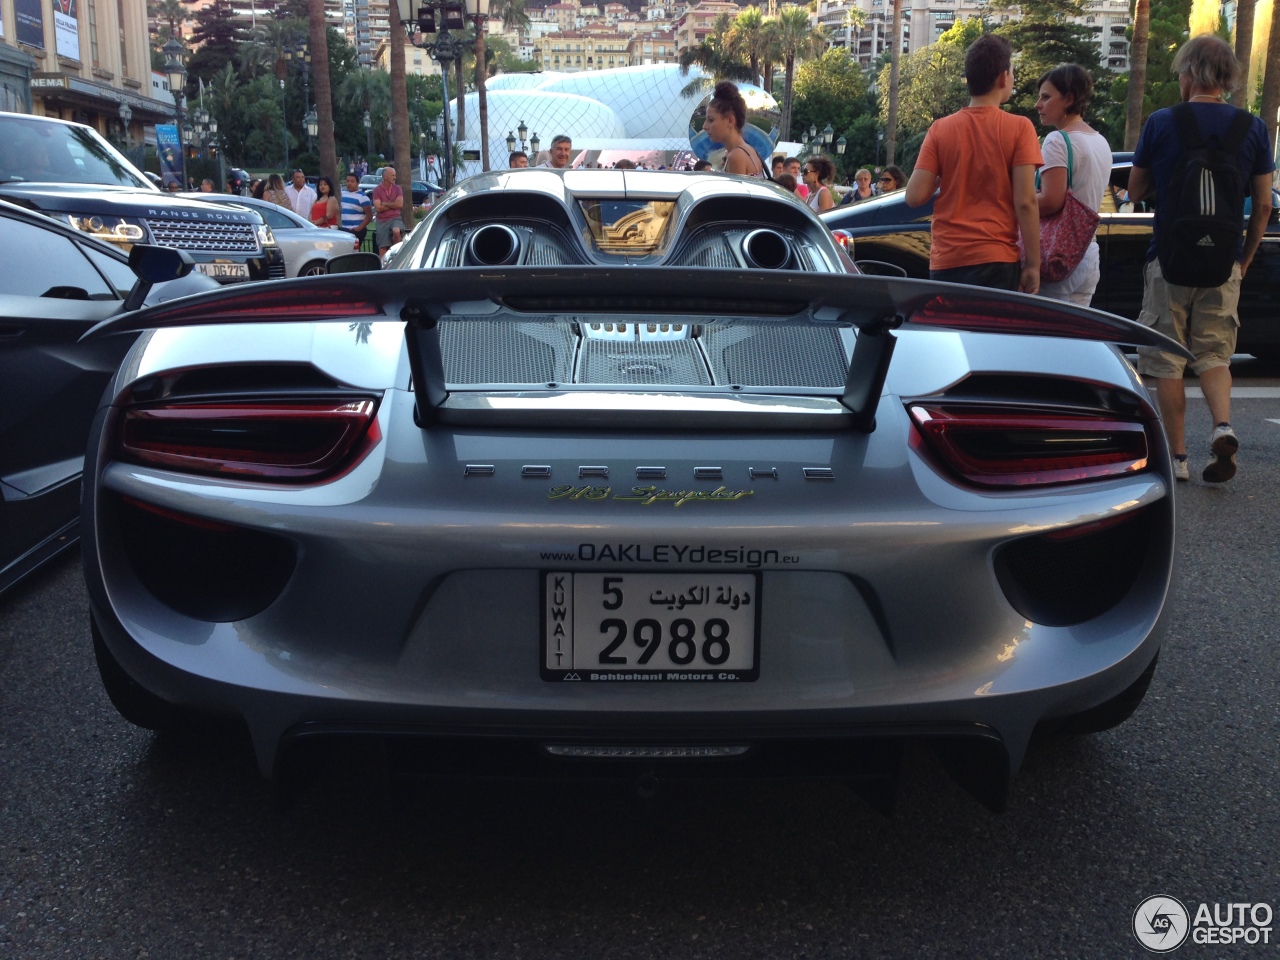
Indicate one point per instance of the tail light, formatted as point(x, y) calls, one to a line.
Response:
point(991, 446)
point(1005, 317)
point(295, 440)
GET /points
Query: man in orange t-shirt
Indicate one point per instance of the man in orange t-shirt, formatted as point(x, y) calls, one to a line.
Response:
point(983, 160)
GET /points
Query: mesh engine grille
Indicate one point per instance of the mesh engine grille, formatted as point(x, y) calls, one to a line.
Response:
point(671, 362)
point(710, 250)
point(495, 351)
point(761, 355)
point(198, 235)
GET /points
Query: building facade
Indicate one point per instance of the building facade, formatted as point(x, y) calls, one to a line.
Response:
point(80, 60)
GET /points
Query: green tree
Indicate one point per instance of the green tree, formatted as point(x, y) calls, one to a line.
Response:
point(217, 38)
point(829, 89)
point(1042, 38)
point(797, 40)
point(716, 58)
point(749, 39)
point(931, 82)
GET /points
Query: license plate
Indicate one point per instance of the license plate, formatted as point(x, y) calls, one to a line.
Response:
point(650, 627)
point(224, 271)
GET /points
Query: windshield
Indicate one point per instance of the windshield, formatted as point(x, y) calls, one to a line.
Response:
point(36, 151)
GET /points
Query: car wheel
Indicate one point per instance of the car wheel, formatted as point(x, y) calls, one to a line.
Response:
point(314, 269)
point(136, 704)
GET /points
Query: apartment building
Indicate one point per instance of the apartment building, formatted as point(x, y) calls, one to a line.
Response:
point(693, 26)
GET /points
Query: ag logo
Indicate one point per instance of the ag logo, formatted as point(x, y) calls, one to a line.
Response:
point(1161, 924)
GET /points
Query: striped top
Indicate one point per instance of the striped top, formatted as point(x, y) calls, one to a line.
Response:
point(354, 206)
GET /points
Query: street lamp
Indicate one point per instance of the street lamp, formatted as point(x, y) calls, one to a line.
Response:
point(511, 142)
point(827, 134)
point(879, 140)
point(284, 121)
point(368, 133)
point(445, 49)
point(125, 116)
point(176, 72)
point(840, 145)
point(813, 131)
point(534, 143)
point(312, 123)
point(478, 11)
point(523, 131)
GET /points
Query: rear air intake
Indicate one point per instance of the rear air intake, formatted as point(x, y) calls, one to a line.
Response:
point(766, 249)
point(494, 245)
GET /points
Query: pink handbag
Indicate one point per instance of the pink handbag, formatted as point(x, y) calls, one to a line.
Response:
point(1065, 237)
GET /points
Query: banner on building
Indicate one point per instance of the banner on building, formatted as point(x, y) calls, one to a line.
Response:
point(169, 149)
point(30, 19)
point(66, 28)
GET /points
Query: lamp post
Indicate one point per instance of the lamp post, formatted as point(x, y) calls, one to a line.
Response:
point(125, 116)
point(478, 11)
point(445, 49)
point(534, 144)
point(523, 132)
point(840, 146)
point(879, 140)
point(176, 72)
point(368, 133)
point(284, 125)
point(827, 134)
point(312, 123)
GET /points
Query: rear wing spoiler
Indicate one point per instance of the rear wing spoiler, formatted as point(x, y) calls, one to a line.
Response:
point(874, 306)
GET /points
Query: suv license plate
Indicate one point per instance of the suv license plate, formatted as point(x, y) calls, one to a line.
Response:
point(650, 626)
point(224, 271)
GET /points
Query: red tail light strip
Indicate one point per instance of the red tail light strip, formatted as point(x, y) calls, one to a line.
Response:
point(293, 304)
point(998, 316)
point(1003, 447)
point(289, 441)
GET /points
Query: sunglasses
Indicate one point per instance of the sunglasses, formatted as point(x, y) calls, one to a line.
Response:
point(887, 180)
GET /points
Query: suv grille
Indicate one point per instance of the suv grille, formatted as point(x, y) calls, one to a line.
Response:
point(209, 237)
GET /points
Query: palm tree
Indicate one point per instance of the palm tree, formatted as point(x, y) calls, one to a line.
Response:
point(1241, 95)
point(401, 156)
point(368, 91)
point(511, 13)
point(172, 12)
point(797, 39)
point(324, 94)
point(1137, 73)
point(895, 68)
point(770, 51)
point(748, 38)
point(715, 58)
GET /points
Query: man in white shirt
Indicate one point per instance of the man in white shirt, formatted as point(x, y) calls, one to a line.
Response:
point(560, 152)
point(301, 195)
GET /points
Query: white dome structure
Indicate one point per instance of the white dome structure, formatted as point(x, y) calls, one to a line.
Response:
point(627, 108)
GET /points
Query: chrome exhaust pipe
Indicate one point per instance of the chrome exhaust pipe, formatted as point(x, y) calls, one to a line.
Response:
point(493, 245)
point(766, 249)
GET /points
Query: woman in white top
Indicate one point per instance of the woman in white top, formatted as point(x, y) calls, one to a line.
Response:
point(1064, 94)
point(726, 116)
point(818, 172)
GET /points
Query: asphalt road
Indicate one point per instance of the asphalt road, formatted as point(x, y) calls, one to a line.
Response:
point(117, 844)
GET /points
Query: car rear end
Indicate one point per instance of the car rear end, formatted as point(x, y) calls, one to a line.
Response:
point(516, 519)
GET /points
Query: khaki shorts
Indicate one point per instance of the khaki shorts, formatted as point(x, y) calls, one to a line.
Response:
point(1203, 319)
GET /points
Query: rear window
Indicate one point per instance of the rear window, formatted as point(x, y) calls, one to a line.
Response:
point(35, 151)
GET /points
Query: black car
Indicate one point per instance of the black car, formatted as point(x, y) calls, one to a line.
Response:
point(55, 283)
point(67, 171)
point(885, 229)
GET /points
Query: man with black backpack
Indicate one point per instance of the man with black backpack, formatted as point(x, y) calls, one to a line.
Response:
point(1202, 157)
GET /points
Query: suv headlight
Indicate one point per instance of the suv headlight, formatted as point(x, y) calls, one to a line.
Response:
point(265, 236)
point(118, 230)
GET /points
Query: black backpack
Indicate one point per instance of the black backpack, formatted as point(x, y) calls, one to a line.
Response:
point(1202, 215)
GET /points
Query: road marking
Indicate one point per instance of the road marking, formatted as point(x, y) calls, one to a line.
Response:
point(1237, 393)
point(1269, 420)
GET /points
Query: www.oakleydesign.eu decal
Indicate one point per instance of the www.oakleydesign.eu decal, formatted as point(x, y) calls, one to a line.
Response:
point(645, 496)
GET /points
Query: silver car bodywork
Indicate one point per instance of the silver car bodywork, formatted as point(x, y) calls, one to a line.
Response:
point(306, 247)
point(533, 428)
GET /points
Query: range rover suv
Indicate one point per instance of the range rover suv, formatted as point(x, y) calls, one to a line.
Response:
point(68, 172)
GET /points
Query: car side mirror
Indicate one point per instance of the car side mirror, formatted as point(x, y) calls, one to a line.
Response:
point(354, 263)
point(151, 265)
point(159, 264)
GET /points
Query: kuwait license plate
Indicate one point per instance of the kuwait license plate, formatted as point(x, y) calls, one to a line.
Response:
point(650, 626)
point(224, 271)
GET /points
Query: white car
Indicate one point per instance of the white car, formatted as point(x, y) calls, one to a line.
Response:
point(307, 248)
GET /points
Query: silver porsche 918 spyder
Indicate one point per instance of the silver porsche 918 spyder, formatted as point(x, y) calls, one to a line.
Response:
point(635, 474)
